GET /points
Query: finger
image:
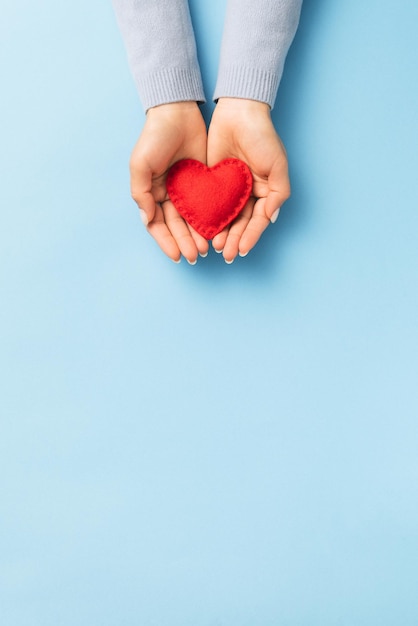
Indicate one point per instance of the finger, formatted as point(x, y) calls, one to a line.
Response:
point(255, 227)
point(236, 230)
point(279, 189)
point(201, 243)
point(141, 186)
point(219, 241)
point(181, 233)
point(274, 202)
point(162, 235)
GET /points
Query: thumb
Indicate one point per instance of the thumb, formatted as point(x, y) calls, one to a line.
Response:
point(141, 185)
point(273, 205)
point(146, 205)
point(279, 192)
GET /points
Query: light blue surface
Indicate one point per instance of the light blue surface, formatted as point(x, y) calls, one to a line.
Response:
point(212, 445)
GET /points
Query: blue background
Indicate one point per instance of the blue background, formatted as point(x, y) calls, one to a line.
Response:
point(212, 445)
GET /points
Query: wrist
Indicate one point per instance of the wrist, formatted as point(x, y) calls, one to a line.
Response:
point(242, 104)
point(173, 108)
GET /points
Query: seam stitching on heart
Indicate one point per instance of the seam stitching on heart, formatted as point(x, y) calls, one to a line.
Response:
point(207, 232)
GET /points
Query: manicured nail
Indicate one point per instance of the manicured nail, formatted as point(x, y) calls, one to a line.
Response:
point(144, 217)
point(275, 215)
point(192, 262)
point(218, 251)
point(174, 261)
point(243, 254)
point(204, 255)
point(229, 262)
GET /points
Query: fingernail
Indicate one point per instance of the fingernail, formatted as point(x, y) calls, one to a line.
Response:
point(243, 254)
point(144, 217)
point(218, 251)
point(275, 215)
point(229, 262)
point(192, 262)
point(174, 261)
point(204, 255)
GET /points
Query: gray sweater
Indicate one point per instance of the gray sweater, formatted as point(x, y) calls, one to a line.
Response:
point(159, 40)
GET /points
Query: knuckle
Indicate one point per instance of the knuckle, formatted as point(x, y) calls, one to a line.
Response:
point(135, 196)
point(136, 161)
point(134, 164)
point(287, 192)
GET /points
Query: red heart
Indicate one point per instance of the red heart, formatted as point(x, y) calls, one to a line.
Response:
point(209, 198)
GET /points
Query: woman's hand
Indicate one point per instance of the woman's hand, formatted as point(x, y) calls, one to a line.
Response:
point(243, 129)
point(171, 132)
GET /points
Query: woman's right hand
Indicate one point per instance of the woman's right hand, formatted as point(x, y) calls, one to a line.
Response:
point(171, 132)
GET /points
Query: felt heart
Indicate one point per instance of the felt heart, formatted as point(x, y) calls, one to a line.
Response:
point(209, 198)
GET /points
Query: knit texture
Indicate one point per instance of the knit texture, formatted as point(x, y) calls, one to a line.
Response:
point(257, 36)
point(161, 48)
point(159, 40)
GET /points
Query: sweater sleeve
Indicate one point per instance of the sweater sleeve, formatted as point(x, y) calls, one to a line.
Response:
point(159, 40)
point(257, 36)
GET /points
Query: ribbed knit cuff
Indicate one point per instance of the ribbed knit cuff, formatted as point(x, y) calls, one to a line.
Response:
point(170, 85)
point(247, 82)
